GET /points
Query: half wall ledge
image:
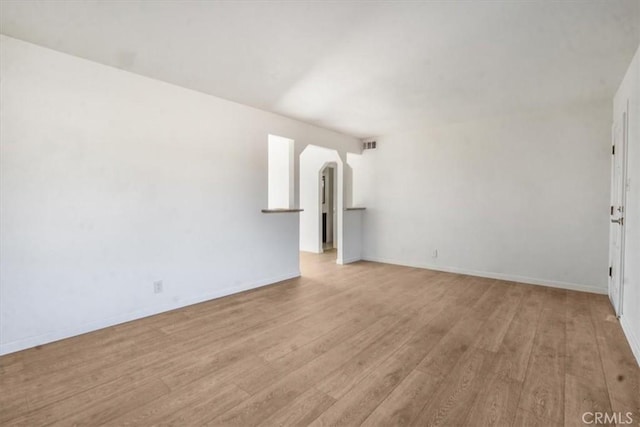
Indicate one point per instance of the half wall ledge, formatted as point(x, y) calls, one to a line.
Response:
point(270, 211)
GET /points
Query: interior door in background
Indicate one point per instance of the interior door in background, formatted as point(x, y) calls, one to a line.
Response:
point(618, 193)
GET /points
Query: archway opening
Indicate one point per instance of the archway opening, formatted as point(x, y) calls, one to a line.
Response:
point(321, 184)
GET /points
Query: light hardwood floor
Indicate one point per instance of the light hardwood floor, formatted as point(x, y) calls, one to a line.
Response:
point(366, 343)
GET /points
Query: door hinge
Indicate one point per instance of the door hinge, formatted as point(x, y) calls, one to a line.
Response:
point(612, 210)
point(613, 150)
point(610, 271)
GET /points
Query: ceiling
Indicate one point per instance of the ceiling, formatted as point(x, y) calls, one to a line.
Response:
point(362, 68)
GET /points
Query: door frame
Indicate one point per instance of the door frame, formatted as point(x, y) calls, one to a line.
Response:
point(619, 195)
point(334, 202)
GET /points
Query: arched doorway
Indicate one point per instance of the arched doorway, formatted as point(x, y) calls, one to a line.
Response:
point(318, 218)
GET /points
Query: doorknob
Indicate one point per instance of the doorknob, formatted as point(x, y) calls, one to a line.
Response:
point(618, 221)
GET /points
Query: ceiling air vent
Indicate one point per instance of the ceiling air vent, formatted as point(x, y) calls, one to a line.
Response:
point(369, 145)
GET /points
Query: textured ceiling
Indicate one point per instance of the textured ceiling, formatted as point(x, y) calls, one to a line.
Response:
point(363, 68)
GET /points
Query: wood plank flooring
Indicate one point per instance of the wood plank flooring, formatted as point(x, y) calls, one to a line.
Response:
point(363, 344)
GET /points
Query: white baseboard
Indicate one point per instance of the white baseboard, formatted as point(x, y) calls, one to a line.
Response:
point(499, 276)
point(633, 340)
point(350, 260)
point(52, 336)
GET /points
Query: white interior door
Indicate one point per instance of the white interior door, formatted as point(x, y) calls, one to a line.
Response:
point(618, 192)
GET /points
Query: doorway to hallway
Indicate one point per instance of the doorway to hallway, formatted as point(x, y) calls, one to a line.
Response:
point(328, 208)
point(321, 200)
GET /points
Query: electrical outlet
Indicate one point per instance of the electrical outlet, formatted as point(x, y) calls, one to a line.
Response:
point(434, 254)
point(157, 286)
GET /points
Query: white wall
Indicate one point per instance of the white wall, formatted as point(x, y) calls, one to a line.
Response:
point(630, 91)
point(354, 197)
point(281, 176)
point(110, 181)
point(356, 192)
point(522, 197)
point(353, 236)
